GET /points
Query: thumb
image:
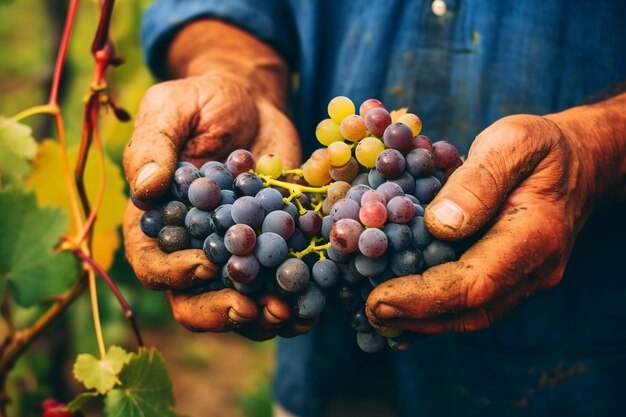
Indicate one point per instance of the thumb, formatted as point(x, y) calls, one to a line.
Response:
point(160, 130)
point(277, 135)
point(500, 158)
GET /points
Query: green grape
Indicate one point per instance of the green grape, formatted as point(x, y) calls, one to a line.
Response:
point(412, 121)
point(339, 153)
point(353, 128)
point(340, 107)
point(368, 150)
point(270, 165)
point(327, 132)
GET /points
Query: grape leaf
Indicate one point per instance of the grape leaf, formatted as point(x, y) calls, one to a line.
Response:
point(146, 390)
point(27, 258)
point(51, 189)
point(101, 374)
point(17, 149)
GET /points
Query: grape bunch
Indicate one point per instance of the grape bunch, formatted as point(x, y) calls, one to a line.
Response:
point(322, 236)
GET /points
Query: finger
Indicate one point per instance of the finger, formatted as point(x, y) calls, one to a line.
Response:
point(500, 157)
point(157, 269)
point(214, 311)
point(162, 125)
point(470, 320)
point(521, 242)
point(277, 135)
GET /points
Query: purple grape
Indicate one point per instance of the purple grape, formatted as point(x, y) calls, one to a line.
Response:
point(373, 243)
point(390, 190)
point(248, 210)
point(344, 235)
point(345, 208)
point(240, 161)
point(420, 163)
point(242, 269)
point(204, 194)
point(173, 213)
point(377, 120)
point(390, 164)
point(310, 223)
point(279, 222)
point(426, 189)
point(248, 184)
point(356, 192)
point(151, 223)
point(293, 275)
point(398, 136)
point(240, 239)
point(400, 210)
point(446, 154)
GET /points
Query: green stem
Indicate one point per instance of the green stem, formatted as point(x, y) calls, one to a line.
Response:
point(32, 111)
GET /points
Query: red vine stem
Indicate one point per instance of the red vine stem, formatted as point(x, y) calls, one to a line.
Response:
point(62, 53)
point(128, 312)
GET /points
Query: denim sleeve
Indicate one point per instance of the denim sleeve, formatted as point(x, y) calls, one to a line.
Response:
point(269, 20)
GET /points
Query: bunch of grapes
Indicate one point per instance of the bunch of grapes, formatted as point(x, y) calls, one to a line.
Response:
point(323, 236)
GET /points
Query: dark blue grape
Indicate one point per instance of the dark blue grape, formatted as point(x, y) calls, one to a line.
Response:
point(370, 267)
point(349, 273)
point(325, 273)
point(173, 238)
point(337, 256)
point(349, 300)
point(356, 192)
point(327, 224)
point(209, 164)
point(437, 253)
point(248, 184)
point(421, 235)
point(271, 199)
point(228, 197)
point(292, 210)
point(180, 164)
point(271, 249)
point(361, 179)
point(151, 223)
point(370, 342)
point(407, 262)
point(196, 243)
point(375, 179)
point(222, 218)
point(220, 175)
point(198, 223)
point(406, 182)
point(215, 249)
point(401, 343)
point(248, 210)
point(250, 287)
point(310, 303)
point(390, 190)
point(183, 177)
point(426, 189)
point(240, 239)
point(173, 213)
point(398, 236)
point(359, 322)
point(298, 242)
point(390, 164)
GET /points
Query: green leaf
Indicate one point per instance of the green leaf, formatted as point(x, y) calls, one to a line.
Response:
point(146, 390)
point(27, 258)
point(101, 374)
point(80, 400)
point(17, 149)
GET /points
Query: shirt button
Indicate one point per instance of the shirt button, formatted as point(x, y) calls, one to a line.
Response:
point(439, 7)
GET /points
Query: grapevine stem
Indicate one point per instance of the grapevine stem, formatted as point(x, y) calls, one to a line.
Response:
point(62, 53)
point(296, 171)
point(67, 176)
point(294, 187)
point(128, 313)
point(32, 111)
point(95, 312)
point(313, 248)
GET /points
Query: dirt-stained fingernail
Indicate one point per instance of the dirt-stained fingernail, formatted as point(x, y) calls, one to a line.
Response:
point(203, 273)
point(270, 318)
point(448, 213)
point(385, 311)
point(145, 174)
point(236, 317)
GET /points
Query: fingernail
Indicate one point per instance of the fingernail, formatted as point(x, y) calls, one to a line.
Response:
point(448, 213)
point(201, 272)
point(145, 174)
point(236, 318)
point(385, 311)
point(270, 318)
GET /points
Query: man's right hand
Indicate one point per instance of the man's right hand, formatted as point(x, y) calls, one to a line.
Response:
point(197, 119)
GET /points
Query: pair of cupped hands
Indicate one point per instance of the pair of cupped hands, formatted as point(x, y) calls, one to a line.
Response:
point(516, 188)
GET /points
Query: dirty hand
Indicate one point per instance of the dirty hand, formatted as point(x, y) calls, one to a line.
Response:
point(197, 119)
point(528, 182)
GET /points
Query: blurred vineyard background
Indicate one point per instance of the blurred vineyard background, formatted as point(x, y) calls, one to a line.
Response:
point(216, 375)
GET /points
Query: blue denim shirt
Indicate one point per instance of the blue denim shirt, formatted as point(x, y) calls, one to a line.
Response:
point(563, 350)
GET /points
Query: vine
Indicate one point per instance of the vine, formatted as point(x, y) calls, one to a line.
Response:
point(84, 214)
